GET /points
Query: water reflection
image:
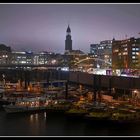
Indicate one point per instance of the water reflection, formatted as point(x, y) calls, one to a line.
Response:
point(55, 124)
point(36, 124)
point(44, 115)
point(31, 118)
point(34, 118)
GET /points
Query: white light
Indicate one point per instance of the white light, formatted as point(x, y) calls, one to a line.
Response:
point(53, 61)
point(135, 91)
point(65, 69)
point(23, 62)
point(98, 66)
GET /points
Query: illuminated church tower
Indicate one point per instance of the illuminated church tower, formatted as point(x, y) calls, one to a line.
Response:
point(68, 41)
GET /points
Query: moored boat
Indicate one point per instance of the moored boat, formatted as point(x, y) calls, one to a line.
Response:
point(76, 112)
point(59, 106)
point(125, 116)
point(98, 114)
point(26, 105)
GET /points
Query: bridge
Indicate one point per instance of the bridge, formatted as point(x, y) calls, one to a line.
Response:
point(104, 81)
point(92, 63)
point(96, 59)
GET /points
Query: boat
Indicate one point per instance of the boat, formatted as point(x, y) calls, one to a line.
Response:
point(27, 105)
point(98, 114)
point(59, 105)
point(125, 116)
point(11, 97)
point(77, 109)
point(76, 112)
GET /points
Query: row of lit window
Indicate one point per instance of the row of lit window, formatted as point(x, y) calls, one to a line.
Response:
point(134, 57)
point(135, 49)
point(100, 47)
point(124, 53)
point(4, 56)
point(135, 53)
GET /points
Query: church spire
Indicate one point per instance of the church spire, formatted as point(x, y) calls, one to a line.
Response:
point(68, 41)
point(68, 29)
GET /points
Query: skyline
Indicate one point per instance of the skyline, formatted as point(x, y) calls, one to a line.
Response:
point(42, 27)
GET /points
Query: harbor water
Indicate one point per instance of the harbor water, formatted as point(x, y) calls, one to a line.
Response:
point(58, 124)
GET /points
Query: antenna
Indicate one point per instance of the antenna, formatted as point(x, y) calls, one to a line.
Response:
point(68, 22)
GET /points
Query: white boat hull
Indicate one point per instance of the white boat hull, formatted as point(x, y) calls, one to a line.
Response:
point(15, 109)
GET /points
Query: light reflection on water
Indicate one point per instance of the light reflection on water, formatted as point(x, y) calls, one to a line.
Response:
point(44, 115)
point(35, 117)
point(36, 124)
point(46, 124)
point(31, 118)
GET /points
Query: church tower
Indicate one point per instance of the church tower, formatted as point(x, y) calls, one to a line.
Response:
point(68, 41)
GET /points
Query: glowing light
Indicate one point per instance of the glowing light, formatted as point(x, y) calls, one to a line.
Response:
point(135, 91)
point(65, 69)
point(53, 61)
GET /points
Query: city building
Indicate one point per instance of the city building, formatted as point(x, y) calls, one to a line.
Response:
point(126, 53)
point(94, 50)
point(68, 41)
point(105, 53)
point(21, 57)
point(102, 53)
point(4, 54)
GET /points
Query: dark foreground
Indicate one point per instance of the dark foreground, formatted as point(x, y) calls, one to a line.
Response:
point(57, 124)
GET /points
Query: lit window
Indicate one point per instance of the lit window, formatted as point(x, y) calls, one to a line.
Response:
point(133, 57)
point(133, 52)
point(106, 56)
point(125, 49)
point(23, 62)
point(53, 61)
point(133, 49)
point(125, 53)
point(116, 50)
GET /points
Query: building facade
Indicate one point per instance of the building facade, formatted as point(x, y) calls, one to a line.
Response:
point(103, 53)
point(21, 58)
point(94, 50)
point(126, 53)
point(4, 54)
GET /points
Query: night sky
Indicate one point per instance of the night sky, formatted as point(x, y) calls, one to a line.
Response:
point(42, 27)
